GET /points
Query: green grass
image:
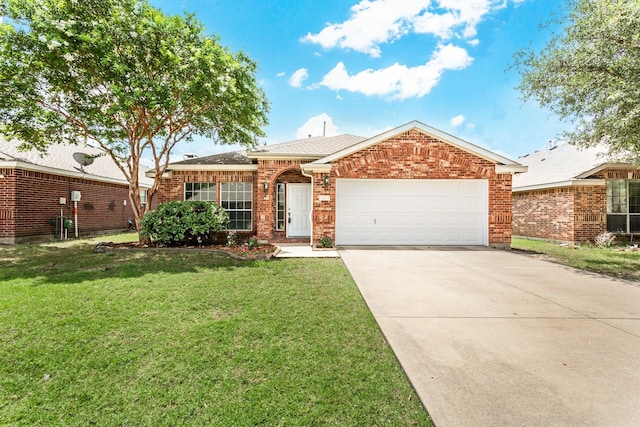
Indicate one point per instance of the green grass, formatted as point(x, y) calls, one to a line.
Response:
point(167, 338)
point(611, 261)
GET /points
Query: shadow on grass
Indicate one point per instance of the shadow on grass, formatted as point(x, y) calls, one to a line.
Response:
point(43, 264)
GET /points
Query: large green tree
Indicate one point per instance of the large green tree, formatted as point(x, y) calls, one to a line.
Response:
point(125, 76)
point(589, 74)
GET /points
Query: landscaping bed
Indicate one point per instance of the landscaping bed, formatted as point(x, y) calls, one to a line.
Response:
point(240, 251)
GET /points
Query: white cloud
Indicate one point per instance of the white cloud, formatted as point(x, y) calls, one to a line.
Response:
point(462, 16)
point(298, 77)
point(375, 22)
point(372, 22)
point(315, 126)
point(281, 74)
point(399, 81)
point(457, 120)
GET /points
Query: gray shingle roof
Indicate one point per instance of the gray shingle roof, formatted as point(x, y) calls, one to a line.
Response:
point(560, 164)
point(231, 158)
point(60, 156)
point(313, 146)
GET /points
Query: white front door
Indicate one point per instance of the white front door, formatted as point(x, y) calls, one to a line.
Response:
point(298, 210)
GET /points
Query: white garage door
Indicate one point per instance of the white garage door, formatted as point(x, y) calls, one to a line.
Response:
point(411, 212)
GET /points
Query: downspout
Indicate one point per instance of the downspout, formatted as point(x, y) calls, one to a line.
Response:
point(312, 201)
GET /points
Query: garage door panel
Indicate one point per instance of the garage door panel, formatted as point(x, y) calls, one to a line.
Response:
point(411, 212)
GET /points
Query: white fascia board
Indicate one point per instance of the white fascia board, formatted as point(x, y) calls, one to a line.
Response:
point(607, 166)
point(569, 183)
point(152, 174)
point(511, 169)
point(316, 167)
point(436, 133)
point(284, 156)
point(63, 172)
point(212, 168)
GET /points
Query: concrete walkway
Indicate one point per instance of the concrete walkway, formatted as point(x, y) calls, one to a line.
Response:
point(495, 338)
point(304, 251)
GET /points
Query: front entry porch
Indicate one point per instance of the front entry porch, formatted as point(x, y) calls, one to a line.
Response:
point(286, 208)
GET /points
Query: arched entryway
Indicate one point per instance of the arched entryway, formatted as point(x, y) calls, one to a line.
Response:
point(292, 207)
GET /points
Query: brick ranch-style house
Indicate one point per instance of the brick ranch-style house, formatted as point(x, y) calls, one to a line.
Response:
point(413, 185)
point(36, 187)
point(574, 195)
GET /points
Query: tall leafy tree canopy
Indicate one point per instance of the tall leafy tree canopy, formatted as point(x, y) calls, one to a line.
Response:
point(589, 74)
point(125, 76)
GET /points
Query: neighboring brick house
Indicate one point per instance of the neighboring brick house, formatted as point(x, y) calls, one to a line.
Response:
point(36, 187)
point(413, 185)
point(571, 194)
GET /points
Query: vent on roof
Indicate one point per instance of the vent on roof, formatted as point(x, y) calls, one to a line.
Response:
point(551, 144)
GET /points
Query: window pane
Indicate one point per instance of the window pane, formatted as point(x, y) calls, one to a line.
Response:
point(280, 207)
point(616, 196)
point(205, 191)
point(237, 198)
point(634, 196)
point(617, 223)
point(634, 223)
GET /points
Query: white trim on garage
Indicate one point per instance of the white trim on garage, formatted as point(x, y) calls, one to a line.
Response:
point(412, 211)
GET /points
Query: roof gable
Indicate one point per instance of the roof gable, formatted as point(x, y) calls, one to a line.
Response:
point(436, 133)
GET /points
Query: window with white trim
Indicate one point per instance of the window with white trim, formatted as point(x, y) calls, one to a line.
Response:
point(203, 191)
point(237, 199)
point(623, 205)
point(143, 198)
point(280, 207)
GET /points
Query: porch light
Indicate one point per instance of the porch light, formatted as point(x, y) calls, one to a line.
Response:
point(326, 180)
point(265, 186)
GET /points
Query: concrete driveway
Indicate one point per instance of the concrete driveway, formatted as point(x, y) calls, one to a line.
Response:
point(496, 338)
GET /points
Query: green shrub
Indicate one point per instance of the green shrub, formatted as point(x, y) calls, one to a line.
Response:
point(253, 243)
point(176, 223)
point(325, 242)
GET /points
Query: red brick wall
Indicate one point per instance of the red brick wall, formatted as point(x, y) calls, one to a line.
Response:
point(7, 205)
point(574, 214)
point(590, 212)
point(29, 199)
point(415, 155)
point(547, 214)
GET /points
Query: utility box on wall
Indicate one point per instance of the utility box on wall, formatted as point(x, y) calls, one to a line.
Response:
point(75, 196)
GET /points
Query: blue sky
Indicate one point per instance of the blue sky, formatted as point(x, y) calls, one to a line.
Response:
point(368, 66)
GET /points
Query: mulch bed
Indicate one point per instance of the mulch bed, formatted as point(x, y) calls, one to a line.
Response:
point(242, 252)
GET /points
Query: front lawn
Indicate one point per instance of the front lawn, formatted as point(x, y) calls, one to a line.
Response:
point(613, 261)
point(168, 338)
